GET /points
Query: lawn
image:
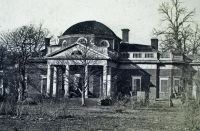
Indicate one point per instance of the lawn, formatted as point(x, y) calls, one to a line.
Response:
point(69, 116)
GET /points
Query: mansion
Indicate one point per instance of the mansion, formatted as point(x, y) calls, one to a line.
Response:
point(90, 54)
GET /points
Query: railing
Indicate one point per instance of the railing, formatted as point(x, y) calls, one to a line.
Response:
point(171, 57)
point(139, 55)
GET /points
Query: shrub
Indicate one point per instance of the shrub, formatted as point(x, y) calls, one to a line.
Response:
point(8, 106)
point(105, 102)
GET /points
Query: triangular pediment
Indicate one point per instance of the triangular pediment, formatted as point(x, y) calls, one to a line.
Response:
point(77, 51)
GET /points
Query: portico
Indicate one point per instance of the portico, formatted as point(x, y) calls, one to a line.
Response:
point(68, 80)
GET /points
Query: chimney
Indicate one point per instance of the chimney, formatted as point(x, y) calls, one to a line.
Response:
point(125, 35)
point(154, 43)
point(47, 44)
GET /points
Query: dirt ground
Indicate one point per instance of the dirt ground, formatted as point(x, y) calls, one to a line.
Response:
point(65, 117)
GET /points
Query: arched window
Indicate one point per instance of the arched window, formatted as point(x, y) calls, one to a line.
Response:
point(76, 53)
point(82, 40)
point(64, 43)
point(104, 43)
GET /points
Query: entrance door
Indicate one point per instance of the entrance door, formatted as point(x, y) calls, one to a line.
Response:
point(94, 86)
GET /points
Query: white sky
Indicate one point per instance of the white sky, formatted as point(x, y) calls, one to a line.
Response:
point(140, 16)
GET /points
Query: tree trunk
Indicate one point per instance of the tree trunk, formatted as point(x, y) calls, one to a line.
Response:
point(85, 85)
point(20, 94)
point(83, 98)
point(22, 84)
point(171, 90)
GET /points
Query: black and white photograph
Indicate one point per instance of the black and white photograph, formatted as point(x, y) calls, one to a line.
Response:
point(99, 65)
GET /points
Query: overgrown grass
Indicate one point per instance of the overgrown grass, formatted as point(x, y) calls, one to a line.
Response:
point(192, 115)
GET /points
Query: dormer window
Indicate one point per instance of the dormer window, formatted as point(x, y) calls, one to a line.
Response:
point(76, 53)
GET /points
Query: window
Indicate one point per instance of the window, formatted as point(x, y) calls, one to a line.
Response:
point(136, 83)
point(163, 85)
point(176, 85)
point(125, 55)
point(104, 43)
point(77, 53)
point(137, 55)
point(149, 55)
point(82, 40)
point(64, 43)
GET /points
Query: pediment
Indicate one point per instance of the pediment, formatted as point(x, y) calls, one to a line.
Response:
point(77, 51)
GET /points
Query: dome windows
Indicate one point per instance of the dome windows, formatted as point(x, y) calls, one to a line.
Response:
point(82, 40)
point(64, 43)
point(104, 43)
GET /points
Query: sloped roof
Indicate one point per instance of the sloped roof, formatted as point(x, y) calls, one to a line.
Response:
point(126, 47)
point(90, 27)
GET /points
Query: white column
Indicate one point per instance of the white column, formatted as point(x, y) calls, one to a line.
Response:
point(86, 81)
point(1, 86)
point(48, 79)
point(54, 81)
point(108, 81)
point(41, 86)
point(66, 81)
point(104, 80)
point(194, 90)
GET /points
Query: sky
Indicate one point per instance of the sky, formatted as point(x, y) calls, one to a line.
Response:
point(140, 16)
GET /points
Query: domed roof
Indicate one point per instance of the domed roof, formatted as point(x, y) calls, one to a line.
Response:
point(90, 27)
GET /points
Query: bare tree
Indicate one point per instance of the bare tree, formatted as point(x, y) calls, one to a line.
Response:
point(195, 40)
point(176, 33)
point(176, 20)
point(23, 43)
point(2, 55)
